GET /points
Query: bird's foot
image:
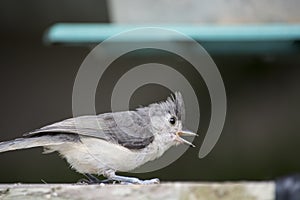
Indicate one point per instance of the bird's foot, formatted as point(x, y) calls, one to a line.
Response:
point(110, 174)
point(139, 182)
point(90, 180)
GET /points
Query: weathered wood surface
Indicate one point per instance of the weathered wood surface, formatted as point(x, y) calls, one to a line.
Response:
point(166, 191)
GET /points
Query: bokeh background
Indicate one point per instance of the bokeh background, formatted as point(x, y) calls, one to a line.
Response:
point(261, 136)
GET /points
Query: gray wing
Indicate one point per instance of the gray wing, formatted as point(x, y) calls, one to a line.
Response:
point(125, 128)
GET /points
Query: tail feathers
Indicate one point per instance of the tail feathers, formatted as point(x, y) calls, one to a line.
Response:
point(26, 143)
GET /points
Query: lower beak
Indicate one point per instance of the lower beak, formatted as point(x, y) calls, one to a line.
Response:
point(183, 141)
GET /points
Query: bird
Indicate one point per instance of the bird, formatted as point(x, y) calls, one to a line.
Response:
point(113, 142)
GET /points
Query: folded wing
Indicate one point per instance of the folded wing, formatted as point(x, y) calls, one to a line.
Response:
point(124, 128)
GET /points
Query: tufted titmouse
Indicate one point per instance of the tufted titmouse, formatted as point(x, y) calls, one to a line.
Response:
point(110, 142)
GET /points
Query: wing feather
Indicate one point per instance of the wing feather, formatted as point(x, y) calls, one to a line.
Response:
point(125, 128)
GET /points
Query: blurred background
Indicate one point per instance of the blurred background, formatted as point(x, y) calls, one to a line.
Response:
point(261, 136)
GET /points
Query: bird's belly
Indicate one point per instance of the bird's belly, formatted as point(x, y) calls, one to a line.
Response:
point(95, 156)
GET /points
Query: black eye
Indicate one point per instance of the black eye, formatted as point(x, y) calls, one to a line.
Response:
point(172, 120)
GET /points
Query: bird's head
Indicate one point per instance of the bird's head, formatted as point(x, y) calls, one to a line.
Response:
point(167, 120)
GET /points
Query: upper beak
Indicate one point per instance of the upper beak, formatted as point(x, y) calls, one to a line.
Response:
point(185, 133)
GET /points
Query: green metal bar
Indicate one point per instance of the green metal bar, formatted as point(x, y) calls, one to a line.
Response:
point(245, 38)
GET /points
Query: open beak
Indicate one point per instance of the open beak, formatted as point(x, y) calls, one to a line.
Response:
point(185, 133)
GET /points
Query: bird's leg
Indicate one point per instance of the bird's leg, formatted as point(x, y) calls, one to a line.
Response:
point(128, 180)
point(90, 179)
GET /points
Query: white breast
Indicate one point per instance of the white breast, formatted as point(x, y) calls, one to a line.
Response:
point(94, 156)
